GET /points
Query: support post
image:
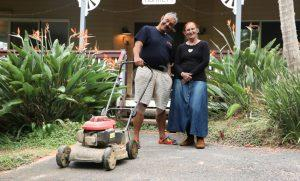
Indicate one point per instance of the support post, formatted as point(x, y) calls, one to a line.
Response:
point(82, 21)
point(238, 19)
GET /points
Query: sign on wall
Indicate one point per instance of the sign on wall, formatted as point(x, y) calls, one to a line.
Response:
point(156, 2)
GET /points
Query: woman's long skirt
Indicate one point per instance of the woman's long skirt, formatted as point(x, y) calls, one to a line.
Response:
point(189, 109)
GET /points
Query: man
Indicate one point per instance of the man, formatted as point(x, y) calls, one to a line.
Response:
point(153, 48)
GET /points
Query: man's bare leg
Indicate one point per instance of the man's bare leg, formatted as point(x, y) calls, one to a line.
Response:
point(161, 118)
point(138, 121)
point(137, 124)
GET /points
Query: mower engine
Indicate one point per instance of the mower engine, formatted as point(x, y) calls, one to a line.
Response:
point(99, 131)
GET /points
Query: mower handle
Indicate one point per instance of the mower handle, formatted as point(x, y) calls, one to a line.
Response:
point(133, 111)
point(104, 111)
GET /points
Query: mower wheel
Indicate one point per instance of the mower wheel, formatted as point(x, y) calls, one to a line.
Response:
point(62, 156)
point(132, 149)
point(109, 159)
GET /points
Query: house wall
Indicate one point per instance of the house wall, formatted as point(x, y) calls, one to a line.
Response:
point(106, 21)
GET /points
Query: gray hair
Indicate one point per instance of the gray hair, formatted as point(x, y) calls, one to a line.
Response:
point(173, 15)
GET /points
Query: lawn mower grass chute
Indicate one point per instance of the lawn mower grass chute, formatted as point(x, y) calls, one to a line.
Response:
point(99, 141)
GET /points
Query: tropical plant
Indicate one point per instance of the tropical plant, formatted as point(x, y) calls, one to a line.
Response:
point(223, 82)
point(240, 74)
point(40, 85)
point(283, 103)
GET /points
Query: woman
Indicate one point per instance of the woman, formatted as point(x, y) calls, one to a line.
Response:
point(189, 111)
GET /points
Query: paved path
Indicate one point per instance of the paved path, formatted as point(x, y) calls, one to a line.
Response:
point(170, 162)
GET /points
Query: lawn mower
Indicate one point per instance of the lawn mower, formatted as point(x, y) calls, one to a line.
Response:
point(99, 140)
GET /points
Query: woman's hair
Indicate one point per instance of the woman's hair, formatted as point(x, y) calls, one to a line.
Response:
point(189, 23)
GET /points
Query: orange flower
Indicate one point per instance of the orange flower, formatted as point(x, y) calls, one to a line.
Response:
point(18, 31)
point(17, 35)
point(109, 61)
point(251, 26)
point(96, 49)
point(46, 29)
point(73, 30)
point(233, 27)
point(36, 35)
point(36, 48)
point(213, 53)
point(229, 22)
point(85, 37)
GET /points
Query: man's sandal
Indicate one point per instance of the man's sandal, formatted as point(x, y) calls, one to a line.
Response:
point(167, 141)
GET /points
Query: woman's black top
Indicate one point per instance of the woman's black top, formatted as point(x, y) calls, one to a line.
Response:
point(192, 59)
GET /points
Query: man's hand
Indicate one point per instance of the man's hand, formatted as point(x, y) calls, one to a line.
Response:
point(138, 61)
point(186, 76)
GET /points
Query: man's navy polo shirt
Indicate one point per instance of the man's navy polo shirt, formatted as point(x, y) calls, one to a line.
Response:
point(157, 47)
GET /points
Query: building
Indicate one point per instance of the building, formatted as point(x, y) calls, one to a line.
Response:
point(108, 20)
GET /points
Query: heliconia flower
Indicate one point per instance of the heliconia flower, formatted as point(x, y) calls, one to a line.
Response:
point(233, 27)
point(85, 37)
point(36, 48)
point(252, 26)
point(73, 30)
point(110, 62)
point(18, 31)
point(17, 35)
point(47, 27)
point(36, 35)
point(96, 49)
point(80, 48)
point(249, 27)
point(229, 22)
point(213, 53)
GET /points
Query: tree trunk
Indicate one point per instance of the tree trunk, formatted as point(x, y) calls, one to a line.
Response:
point(289, 34)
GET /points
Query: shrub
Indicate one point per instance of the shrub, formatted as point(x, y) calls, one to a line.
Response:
point(39, 85)
point(283, 103)
point(240, 74)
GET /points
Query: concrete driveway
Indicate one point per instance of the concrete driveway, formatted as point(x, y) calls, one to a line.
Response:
point(172, 162)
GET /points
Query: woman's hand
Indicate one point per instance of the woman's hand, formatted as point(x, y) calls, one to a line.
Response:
point(186, 76)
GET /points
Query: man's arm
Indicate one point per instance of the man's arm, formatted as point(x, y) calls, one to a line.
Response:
point(136, 53)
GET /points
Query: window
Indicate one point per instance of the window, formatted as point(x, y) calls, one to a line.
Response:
point(269, 31)
point(247, 35)
point(24, 27)
point(3, 34)
point(58, 29)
